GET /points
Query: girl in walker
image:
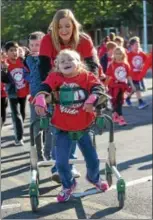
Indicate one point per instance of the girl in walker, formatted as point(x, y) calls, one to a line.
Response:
point(72, 118)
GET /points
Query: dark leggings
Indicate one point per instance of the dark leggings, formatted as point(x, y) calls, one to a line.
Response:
point(18, 115)
point(118, 104)
point(4, 103)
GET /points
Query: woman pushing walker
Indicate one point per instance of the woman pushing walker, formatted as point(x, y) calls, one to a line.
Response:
point(65, 33)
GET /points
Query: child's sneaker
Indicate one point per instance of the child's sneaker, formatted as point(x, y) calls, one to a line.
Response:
point(19, 143)
point(101, 184)
point(65, 194)
point(128, 101)
point(115, 117)
point(121, 121)
point(142, 105)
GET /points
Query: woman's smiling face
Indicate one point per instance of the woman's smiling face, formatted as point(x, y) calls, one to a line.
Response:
point(65, 29)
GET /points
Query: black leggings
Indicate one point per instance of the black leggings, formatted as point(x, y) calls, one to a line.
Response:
point(17, 106)
point(118, 105)
point(4, 103)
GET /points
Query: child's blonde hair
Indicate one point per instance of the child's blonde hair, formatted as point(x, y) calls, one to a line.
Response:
point(71, 53)
point(54, 26)
point(119, 39)
point(134, 40)
point(123, 53)
point(111, 45)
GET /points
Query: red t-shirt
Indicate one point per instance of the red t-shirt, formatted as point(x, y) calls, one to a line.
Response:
point(118, 72)
point(16, 72)
point(136, 61)
point(3, 90)
point(84, 48)
point(73, 117)
point(147, 65)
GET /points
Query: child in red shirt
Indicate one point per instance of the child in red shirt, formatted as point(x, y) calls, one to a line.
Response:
point(106, 59)
point(136, 59)
point(76, 115)
point(17, 89)
point(119, 74)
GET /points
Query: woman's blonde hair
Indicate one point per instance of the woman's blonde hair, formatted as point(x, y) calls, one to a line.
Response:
point(82, 67)
point(123, 53)
point(54, 26)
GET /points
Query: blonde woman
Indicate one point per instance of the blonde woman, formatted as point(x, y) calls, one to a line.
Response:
point(65, 33)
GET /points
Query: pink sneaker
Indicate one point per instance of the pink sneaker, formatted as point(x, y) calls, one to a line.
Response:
point(102, 185)
point(65, 194)
point(115, 117)
point(121, 121)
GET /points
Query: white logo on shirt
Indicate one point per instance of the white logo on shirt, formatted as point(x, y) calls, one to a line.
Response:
point(121, 74)
point(17, 75)
point(137, 62)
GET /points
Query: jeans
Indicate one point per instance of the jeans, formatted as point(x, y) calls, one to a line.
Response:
point(47, 136)
point(63, 149)
point(17, 106)
point(72, 152)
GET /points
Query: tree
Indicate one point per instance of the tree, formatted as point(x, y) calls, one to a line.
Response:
point(21, 17)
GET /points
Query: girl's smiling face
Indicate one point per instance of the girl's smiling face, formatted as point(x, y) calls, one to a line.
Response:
point(65, 29)
point(68, 64)
point(118, 55)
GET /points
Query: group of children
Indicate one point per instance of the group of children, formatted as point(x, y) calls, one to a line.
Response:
point(19, 78)
point(122, 68)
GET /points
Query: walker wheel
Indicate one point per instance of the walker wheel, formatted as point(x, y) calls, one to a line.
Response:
point(34, 203)
point(121, 199)
point(109, 179)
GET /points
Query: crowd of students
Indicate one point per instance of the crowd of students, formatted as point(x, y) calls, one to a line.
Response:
point(67, 57)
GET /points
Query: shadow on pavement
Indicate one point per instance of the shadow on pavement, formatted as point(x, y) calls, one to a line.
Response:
point(146, 167)
point(23, 191)
point(14, 155)
point(127, 164)
point(52, 209)
point(15, 159)
point(105, 212)
point(15, 170)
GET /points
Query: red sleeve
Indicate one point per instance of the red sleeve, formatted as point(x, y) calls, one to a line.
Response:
point(86, 47)
point(53, 80)
point(46, 46)
point(93, 81)
point(146, 66)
